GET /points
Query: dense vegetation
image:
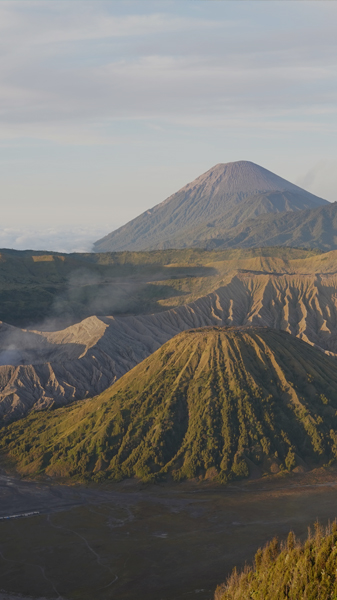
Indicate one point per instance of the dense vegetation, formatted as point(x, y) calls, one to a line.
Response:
point(214, 403)
point(293, 570)
point(71, 287)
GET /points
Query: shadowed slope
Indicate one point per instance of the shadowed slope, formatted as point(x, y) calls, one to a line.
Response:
point(316, 228)
point(212, 402)
point(59, 289)
point(223, 197)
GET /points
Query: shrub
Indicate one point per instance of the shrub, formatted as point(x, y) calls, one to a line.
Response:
point(290, 570)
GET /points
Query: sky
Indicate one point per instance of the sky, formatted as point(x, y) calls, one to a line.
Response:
point(107, 108)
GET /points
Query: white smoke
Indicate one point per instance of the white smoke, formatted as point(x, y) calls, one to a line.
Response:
point(321, 179)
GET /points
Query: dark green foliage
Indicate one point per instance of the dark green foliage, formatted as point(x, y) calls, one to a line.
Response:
point(212, 402)
point(292, 570)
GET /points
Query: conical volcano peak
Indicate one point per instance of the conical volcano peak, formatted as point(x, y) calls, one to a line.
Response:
point(213, 402)
point(240, 177)
point(223, 197)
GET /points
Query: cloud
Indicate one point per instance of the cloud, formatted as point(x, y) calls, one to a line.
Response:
point(66, 239)
point(69, 73)
point(95, 96)
point(57, 23)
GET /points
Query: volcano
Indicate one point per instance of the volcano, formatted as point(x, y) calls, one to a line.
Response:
point(220, 199)
point(215, 402)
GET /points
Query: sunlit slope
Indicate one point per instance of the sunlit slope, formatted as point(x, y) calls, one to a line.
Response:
point(212, 402)
point(288, 570)
point(287, 289)
point(223, 197)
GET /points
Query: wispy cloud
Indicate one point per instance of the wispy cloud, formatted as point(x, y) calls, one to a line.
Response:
point(79, 68)
point(106, 108)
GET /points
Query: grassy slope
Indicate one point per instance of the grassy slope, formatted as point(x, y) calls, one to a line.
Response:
point(36, 285)
point(213, 402)
point(294, 570)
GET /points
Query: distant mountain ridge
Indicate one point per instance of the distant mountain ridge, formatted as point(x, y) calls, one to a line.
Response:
point(223, 197)
point(315, 228)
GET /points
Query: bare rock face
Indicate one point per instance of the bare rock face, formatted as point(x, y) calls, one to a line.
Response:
point(222, 198)
point(22, 347)
point(84, 359)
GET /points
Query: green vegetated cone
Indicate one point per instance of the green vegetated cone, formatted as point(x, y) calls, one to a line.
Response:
point(217, 403)
point(289, 570)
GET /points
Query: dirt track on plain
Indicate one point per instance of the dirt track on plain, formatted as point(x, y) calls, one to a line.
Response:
point(151, 542)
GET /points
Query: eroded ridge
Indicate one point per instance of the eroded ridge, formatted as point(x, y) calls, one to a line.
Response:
point(86, 358)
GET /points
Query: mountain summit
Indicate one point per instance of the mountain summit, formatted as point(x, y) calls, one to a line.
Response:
point(223, 197)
